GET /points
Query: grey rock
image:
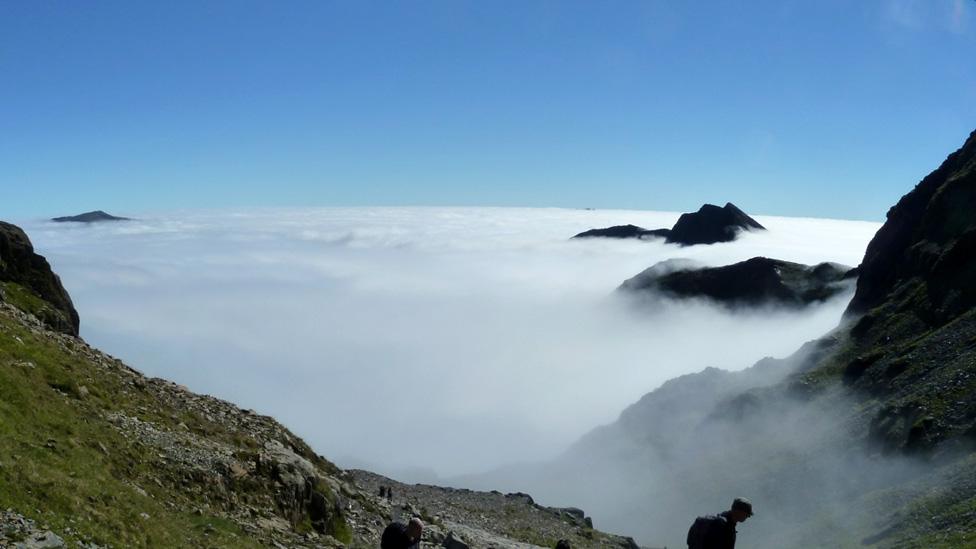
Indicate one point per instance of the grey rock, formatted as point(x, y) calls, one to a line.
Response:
point(41, 540)
point(452, 541)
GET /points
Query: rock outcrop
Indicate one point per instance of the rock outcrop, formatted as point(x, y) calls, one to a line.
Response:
point(712, 224)
point(624, 231)
point(26, 280)
point(20, 532)
point(914, 314)
point(754, 282)
point(89, 217)
point(923, 259)
point(709, 225)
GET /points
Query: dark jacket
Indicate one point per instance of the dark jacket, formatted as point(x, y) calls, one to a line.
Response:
point(395, 537)
point(712, 532)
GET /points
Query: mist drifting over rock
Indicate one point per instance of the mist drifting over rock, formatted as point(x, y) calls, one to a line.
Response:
point(862, 437)
point(476, 325)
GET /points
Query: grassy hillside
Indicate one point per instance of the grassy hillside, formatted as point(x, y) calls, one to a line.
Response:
point(96, 451)
point(97, 454)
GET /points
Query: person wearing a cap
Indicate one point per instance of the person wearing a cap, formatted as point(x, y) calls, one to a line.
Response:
point(718, 531)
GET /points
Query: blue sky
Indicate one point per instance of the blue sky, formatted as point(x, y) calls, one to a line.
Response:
point(830, 108)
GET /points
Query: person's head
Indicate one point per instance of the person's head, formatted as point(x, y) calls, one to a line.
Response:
point(415, 528)
point(563, 544)
point(741, 509)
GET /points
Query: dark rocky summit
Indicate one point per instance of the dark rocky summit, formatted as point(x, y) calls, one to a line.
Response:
point(90, 217)
point(709, 225)
point(624, 231)
point(757, 281)
point(26, 277)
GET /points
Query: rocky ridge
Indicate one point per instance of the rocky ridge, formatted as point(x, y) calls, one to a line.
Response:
point(490, 519)
point(709, 225)
point(625, 231)
point(754, 282)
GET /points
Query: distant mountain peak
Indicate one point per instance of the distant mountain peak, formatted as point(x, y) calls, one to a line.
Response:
point(712, 224)
point(89, 217)
point(709, 225)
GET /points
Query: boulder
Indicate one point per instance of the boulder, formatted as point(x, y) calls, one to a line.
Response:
point(41, 540)
point(452, 541)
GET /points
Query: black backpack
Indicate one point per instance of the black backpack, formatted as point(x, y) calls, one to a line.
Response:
point(698, 533)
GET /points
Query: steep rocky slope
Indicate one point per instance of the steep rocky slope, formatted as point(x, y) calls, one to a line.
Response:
point(865, 438)
point(101, 454)
point(94, 454)
point(491, 519)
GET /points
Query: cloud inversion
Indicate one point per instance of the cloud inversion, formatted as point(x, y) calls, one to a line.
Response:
point(449, 339)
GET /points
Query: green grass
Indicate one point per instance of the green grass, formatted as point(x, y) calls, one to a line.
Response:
point(25, 300)
point(67, 468)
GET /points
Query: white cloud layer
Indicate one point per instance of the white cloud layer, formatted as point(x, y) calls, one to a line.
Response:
point(450, 339)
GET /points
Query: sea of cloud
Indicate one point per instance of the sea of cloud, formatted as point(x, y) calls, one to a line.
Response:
point(421, 341)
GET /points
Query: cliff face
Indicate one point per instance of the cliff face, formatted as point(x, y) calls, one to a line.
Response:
point(926, 245)
point(28, 280)
point(913, 342)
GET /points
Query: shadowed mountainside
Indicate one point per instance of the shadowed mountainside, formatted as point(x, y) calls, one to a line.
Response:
point(864, 438)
